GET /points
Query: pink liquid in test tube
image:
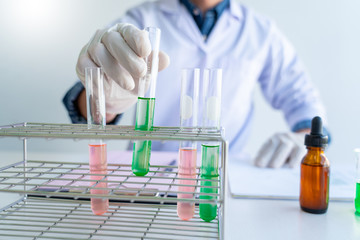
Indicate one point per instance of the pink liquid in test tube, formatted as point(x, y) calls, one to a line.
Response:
point(187, 169)
point(98, 165)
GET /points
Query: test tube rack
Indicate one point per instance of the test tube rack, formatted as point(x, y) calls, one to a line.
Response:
point(137, 213)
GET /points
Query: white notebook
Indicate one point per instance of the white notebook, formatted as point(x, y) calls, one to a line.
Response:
point(249, 181)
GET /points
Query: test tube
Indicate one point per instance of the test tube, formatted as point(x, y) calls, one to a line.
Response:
point(96, 118)
point(146, 105)
point(210, 152)
point(357, 194)
point(189, 103)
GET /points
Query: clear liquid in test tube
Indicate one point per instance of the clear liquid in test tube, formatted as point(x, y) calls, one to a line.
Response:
point(96, 118)
point(210, 152)
point(146, 105)
point(189, 103)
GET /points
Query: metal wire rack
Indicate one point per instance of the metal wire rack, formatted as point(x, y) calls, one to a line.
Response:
point(73, 181)
point(81, 131)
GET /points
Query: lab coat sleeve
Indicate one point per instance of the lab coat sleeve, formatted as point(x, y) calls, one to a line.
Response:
point(286, 84)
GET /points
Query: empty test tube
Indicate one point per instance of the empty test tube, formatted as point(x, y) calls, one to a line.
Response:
point(210, 152)
point(146, 105)
point(189, 102)
point(96, 118)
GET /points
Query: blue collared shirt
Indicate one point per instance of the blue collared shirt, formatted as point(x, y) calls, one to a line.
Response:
point(252, 52)
point(206, 21)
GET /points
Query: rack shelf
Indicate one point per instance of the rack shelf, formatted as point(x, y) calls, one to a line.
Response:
point(42, 218)
point(55, 194)
point(71, 179)
point(81, 131)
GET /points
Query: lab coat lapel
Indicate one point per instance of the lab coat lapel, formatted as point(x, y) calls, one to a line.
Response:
point(219, 33)
point(229, 22)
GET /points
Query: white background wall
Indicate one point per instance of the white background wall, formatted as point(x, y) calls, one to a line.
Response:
point(40, 41)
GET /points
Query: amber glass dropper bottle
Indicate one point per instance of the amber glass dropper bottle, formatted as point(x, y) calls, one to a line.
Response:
point(315, 171)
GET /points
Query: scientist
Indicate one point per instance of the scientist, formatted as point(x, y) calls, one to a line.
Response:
point(205, 34)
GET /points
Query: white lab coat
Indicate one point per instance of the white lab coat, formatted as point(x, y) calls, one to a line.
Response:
point(250, 50)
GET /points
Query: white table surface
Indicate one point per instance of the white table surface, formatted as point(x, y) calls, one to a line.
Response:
point(283, 219)
point(262, 219)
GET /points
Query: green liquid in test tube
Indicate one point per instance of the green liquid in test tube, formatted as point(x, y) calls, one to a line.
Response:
point(357, 198)
point(142, 149)
point(146, 105)
point(210, 160)
point(210, 152)
point(209, 171)
point(357, 180)
point(208, 211)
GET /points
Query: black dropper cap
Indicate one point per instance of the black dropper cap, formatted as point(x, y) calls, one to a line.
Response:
point(316, 138)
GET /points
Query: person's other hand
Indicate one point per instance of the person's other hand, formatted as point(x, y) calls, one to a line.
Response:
point(280, 149)
point(120, 51)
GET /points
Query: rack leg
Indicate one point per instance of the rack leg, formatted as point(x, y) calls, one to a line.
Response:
point(25, 164)
point(223, 189)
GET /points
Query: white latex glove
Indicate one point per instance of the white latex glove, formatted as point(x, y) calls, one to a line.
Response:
point(120, 51)
point(282, 148)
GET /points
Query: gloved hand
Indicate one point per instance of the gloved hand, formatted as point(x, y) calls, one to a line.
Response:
point(120, 51)
point(282, 148)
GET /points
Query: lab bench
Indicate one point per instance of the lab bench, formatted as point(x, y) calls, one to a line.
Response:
point(46, 217)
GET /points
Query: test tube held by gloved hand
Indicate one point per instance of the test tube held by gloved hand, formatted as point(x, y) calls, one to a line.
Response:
point(96, 118)
point(210, 152)
point(189, 104)
point(146, 105)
